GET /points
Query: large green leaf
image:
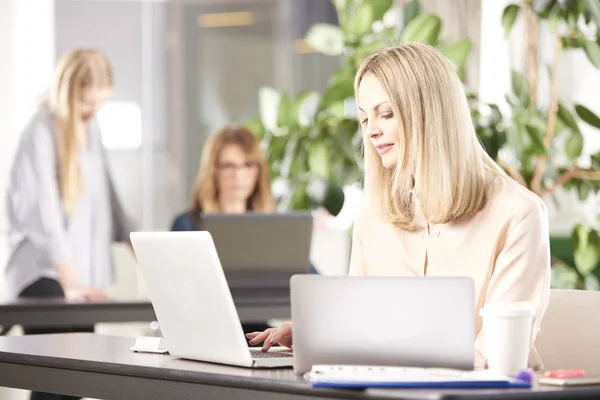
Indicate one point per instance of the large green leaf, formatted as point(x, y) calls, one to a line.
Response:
point(563, 277)
point(424, 28)
point(587, 258)
point(300, 200)
point(587, 115)
point(359, 20)
point(457, 53)
point(509, 16)
point(326, 38)
point(306, 107)
point(411, 10)
point(520, 87)
point(565, 115)
point(256, 126)
point(581, 235)
point(536, 138)
point(592, 50)
point(318, 159)
point(380, 7)
point(334, 198)
point(339, 91)
point(268, 100)
point(574, 145)
point(367, 49)
point(593, 7)
point(286, 118)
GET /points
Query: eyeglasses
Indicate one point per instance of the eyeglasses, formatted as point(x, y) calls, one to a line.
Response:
point(231, 167)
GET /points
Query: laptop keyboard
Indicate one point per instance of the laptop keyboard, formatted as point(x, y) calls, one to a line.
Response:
point(270, 354)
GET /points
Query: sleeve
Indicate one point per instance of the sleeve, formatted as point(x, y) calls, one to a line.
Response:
point(522, 273)
point(43, 220)
point(357, 259)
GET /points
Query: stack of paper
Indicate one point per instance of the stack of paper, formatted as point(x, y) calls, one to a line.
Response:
point(356, 376)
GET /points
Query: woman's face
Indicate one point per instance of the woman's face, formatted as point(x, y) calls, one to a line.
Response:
point(92, 99)
point(236, 175)
point(378, 121)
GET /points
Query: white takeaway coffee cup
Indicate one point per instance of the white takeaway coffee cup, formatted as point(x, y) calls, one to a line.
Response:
point(507, 334)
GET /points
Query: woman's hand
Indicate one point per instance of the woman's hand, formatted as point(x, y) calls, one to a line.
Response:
point(72, 286)
point(281, 335)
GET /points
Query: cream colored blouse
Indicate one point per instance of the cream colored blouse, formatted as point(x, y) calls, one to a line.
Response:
point(505, 248)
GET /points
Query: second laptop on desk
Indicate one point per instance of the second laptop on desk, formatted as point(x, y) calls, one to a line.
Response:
point(387, 321)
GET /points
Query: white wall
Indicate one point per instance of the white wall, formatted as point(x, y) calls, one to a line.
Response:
point(579, 81)
point(27, 43)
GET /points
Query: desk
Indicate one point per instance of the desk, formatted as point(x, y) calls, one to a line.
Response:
point(57, 313)
point(83, 364)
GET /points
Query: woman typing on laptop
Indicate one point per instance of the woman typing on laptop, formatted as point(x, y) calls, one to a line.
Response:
point(435, 203)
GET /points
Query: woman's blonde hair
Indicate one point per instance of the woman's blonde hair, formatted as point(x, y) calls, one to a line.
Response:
point(77, 70)
point(441, 162)
point(205, 196)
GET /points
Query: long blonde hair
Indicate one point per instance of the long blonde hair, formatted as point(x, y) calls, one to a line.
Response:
point(441, 162)
point(205, 196)
point(77, 70)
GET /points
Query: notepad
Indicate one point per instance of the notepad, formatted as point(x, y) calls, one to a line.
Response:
point(356, 376)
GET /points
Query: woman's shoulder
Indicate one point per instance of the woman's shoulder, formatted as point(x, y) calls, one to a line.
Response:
point(183, 222)
point(514, 201)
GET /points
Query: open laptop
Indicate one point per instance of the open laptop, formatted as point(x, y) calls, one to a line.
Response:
point(241, 240)
point(384, 321)
point(192, 301)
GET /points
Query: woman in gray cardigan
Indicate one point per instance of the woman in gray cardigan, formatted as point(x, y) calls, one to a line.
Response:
point(63, 210)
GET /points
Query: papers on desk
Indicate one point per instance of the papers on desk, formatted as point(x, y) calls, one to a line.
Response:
point(350, 376)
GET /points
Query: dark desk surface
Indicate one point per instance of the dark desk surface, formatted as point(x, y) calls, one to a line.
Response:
point(64, 313)
point(104, 367)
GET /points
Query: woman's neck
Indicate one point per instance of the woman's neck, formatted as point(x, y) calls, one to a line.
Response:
point(233, 207)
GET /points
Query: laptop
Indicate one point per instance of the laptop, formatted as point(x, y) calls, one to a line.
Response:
point(384, 321)
point(192, 301)
point(241, 240)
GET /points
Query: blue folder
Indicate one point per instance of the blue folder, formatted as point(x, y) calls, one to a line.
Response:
point(362, 377)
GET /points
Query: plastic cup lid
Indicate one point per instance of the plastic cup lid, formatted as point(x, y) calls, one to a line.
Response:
point(508, 309)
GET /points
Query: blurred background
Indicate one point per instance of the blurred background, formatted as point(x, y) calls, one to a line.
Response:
point(185, 68)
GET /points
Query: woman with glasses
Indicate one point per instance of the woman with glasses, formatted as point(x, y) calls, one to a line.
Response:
point(233, 178)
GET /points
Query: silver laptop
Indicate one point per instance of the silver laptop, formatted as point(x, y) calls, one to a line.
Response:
point(241, 240)
point(385, 321)
point(192, 301)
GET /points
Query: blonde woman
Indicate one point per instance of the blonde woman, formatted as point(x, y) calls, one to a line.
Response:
point(435, 203)
point(233, 178)
point(63, 211)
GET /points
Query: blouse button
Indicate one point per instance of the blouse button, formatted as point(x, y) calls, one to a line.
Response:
point(436, 233)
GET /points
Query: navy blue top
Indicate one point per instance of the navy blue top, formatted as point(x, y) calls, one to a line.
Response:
point(185, 222)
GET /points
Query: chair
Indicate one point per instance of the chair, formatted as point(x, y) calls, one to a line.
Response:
point(570, 331)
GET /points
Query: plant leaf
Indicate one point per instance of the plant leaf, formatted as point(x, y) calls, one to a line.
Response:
point(587, 258)
point(380, 7)
point(457, 53)
point(509, 16)
point(581, 234)
point(592, 50)
point(520, 87)
point(425, 28)
point(360, 20)
point(269, 99)
point(587, 116)
point(286, 117)
point(563, 277)
point(536, 139)
point(256, 126)
point(594, 8)
point(411, 11)
point(565, 115)
point(574, 145)
point(334, 198)
point(318, 159)
point(365, 50)
point(307, 109)
point(337, 92)
point(326, 38)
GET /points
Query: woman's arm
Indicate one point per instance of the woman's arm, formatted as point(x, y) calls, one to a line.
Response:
point(522, 273)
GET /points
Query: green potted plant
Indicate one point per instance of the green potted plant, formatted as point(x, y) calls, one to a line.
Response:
point(538, 137)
